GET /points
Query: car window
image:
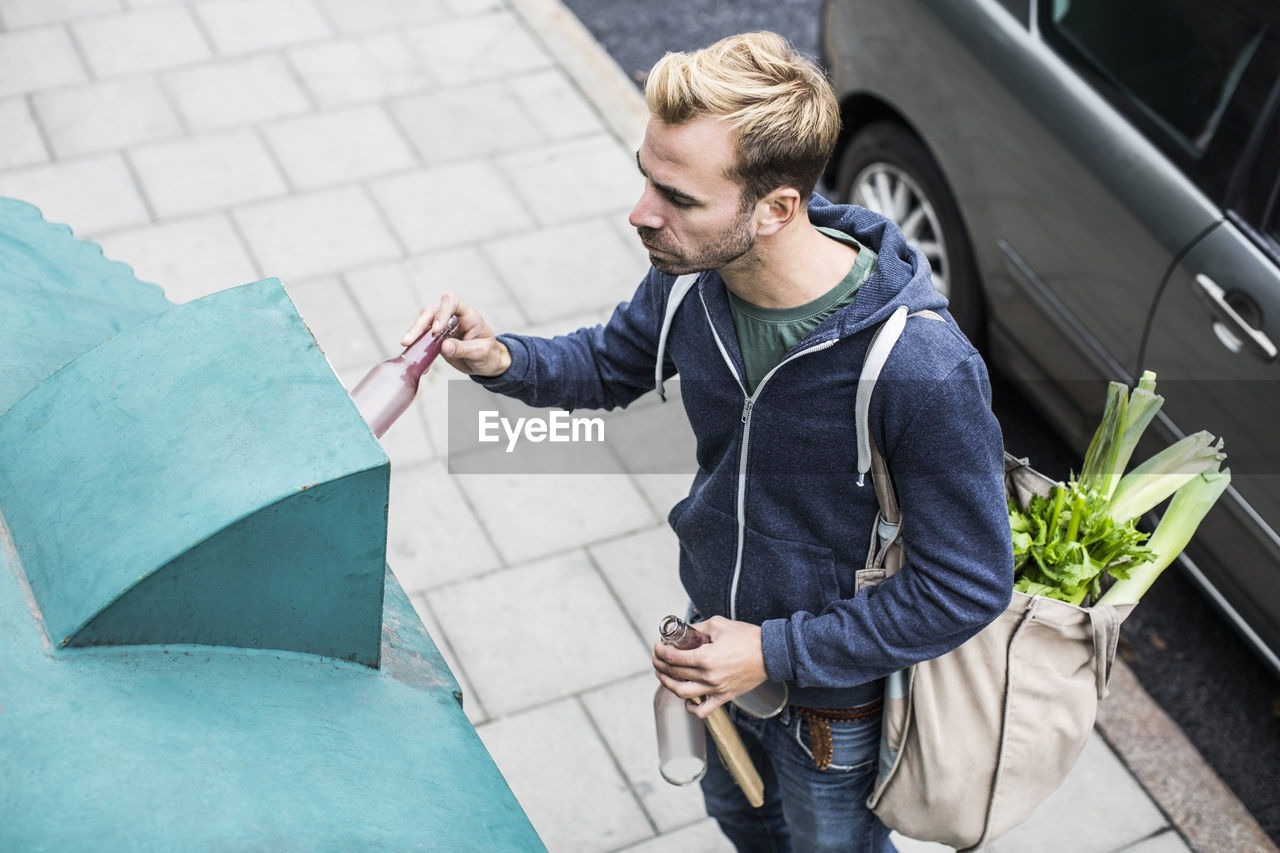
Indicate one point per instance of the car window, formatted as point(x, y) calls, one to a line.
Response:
point(1256, 200)
point(1176, 62)
point(1272, 221)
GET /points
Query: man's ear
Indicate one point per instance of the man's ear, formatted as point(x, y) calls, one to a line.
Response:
point(777, 210)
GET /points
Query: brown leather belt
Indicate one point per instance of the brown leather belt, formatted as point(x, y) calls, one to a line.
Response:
point(820, 720)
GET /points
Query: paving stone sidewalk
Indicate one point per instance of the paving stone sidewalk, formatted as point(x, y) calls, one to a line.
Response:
point(372, 155)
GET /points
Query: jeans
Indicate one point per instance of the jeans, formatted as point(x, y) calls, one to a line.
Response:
point(805, 809)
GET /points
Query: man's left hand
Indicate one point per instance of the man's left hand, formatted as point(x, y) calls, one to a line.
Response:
point(730, 665)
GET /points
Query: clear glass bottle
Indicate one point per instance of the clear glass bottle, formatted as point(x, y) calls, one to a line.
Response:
point(386, 391)
point(682, 737)
point(675, 740)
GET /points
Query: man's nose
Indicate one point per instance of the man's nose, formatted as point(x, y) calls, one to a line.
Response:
point(644, 214)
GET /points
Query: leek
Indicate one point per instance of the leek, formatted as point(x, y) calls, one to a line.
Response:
point(1143, 488)
point(1104, 449)
point(1187, 509)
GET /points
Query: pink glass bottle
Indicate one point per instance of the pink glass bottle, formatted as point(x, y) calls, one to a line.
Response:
point(388, 389)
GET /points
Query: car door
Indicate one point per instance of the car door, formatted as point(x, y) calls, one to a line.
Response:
point(1130, 178)
point(1213, 345)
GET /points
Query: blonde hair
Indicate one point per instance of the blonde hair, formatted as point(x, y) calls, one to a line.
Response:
point(778, 103)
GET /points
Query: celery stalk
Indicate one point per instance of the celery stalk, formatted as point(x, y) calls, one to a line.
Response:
point(1077, 514)
point(1143, 404)
point(1143, 488)
point(1059, 498)
point(1188, 508)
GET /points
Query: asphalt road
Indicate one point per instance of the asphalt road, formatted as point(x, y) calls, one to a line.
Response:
point(1186, 656)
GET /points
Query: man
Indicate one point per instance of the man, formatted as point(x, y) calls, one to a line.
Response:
point(769, 343)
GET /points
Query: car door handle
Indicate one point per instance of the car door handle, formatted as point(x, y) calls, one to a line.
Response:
point(1215, 299)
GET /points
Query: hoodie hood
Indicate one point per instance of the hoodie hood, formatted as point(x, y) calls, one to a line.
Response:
point(902, 275)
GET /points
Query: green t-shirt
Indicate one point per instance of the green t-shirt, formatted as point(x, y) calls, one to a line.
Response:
point(766, 334)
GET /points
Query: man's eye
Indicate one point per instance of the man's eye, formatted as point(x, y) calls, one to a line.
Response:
point(679, 202)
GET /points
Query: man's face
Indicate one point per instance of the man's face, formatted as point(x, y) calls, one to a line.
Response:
point(690, 217)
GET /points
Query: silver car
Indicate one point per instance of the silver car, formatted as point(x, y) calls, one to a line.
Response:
point(1096, 184)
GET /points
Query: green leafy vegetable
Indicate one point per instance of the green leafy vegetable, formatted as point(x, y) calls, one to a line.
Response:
point(1065, 545)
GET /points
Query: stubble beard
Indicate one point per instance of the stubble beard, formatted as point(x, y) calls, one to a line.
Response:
point(734, 242)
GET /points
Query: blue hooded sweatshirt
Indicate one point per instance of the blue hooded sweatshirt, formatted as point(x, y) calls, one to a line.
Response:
point(775, 525)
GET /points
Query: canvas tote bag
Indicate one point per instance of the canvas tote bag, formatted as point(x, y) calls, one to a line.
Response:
point(975, 739)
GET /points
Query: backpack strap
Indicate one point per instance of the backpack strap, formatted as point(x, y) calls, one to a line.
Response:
point(678, 291)
point(889, 520)
point(877, 354)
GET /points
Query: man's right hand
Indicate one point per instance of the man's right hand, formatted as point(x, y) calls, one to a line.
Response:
point(475, 351)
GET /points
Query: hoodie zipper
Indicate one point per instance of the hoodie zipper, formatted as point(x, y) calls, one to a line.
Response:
point(749, 400)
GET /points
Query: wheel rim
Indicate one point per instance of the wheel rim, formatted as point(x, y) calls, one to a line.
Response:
point(890, 191)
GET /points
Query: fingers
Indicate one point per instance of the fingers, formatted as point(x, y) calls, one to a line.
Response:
point(434, 319)
point(708, 705)
point(678, 662)
point(474, 349)
point(469, 319)
point(717, 671)
point(686, 675)
point(674, 666)
point(468, 351)
point(690, 691)
point(698, 698)
point(484, 355)
point(426, 318)
point(683, 689)
point(419, 326)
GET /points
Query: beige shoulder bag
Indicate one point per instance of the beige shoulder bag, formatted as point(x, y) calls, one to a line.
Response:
point(977, 738)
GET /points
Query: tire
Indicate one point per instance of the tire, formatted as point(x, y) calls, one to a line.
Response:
point(885, 168)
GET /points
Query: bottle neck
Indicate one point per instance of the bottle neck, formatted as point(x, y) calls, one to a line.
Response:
point(418, 355)
point(676, 632)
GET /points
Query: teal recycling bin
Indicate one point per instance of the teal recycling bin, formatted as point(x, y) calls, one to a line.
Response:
point(201, 644)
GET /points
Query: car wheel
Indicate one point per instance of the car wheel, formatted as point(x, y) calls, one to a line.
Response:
point(885, 168)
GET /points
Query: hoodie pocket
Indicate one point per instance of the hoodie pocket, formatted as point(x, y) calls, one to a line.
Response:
point(708, 541)
point(779, 577)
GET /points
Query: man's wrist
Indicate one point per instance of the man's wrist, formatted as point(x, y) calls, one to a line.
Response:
point(510, 360)
point(504, 358)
